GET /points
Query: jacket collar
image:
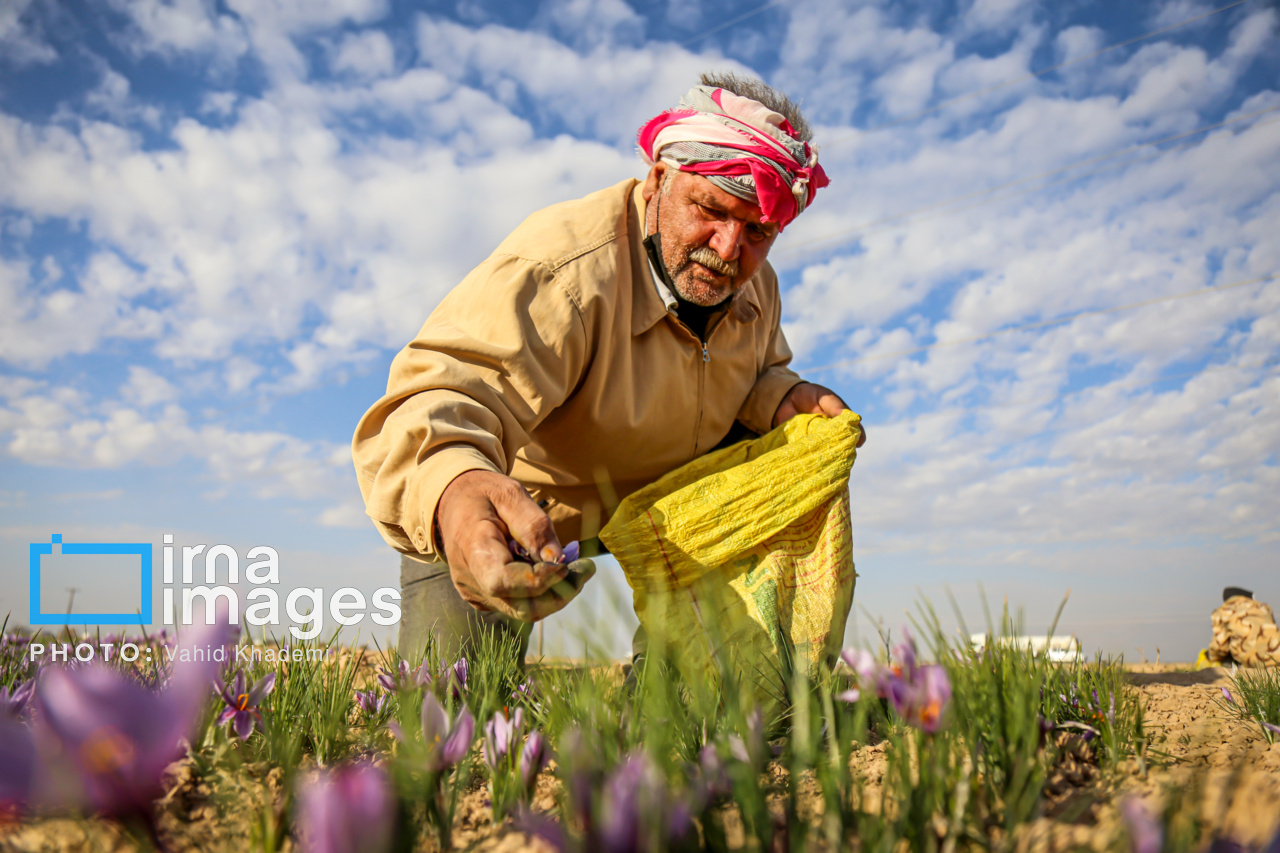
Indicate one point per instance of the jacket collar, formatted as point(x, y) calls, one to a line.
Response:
point(648, 307)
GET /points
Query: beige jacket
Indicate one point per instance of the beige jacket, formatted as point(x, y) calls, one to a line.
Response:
point(555, 361)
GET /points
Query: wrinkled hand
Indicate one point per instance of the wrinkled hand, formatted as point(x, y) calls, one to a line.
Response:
point(477, 513)
point(810, 399)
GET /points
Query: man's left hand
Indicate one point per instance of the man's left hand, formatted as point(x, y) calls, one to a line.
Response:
point(810, 399)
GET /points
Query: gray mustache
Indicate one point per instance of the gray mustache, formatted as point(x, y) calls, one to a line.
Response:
point(712, 261)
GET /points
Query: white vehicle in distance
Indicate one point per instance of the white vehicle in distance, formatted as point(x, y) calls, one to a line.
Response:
point(1060, 648)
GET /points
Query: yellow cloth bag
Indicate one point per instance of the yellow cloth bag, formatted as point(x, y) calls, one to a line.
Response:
point(747, 552)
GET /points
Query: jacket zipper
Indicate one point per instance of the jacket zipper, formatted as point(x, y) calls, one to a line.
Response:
point(702, 378)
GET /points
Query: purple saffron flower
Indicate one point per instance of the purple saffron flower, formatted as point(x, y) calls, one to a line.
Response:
point(1145, 835)
point(447, 740)
point(568, 554)
point(110, 738)
point(454, 676)
point(623, 801)
point(347, 810)
point(535, 756)
point(371, 701)
point(393, 682)
point(500, 735)
point(524, 691)
point(934, 695)
point(460, 672)
point(1275, 730)
point(631, 809)
point(518, 551)
point(868, 675)
point(242, 705)
point(637, 811)
point(921, 702)
point(422, 676)
point(1227, 694)
point(918, 693)
point(14, 702)
point(863, 665)
point(905, 653)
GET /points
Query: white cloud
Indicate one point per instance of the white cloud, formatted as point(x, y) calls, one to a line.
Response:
point(974, 73)
point(367, 55)
point(21, 39)
point(1055, 435)
point(994, 16)
point(840, 57)
point(1075, 43)
point(303, 16)
point(40, 324)
point(591, 23)
point(172, 27)
point(275, 240)
point(1172, 12)
point(239, 373)
point(629, 85)
point(62, 427)
point(146, 388)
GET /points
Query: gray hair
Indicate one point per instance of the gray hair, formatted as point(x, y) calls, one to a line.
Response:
point(756, 90)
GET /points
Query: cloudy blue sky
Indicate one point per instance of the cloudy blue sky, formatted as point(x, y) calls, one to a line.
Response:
point(219, 221)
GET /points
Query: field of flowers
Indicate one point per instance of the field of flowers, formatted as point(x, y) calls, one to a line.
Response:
point(358, 750)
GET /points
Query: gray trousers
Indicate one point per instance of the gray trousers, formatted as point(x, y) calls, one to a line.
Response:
point(430, 607)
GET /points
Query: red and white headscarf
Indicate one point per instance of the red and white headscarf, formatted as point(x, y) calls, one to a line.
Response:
point(741, 146)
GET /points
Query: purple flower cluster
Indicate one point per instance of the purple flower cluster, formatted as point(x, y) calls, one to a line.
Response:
point(629, 810)
point(919, 693)
point(501, 735)
point(448, 739)
point(400, 679)
point(98, 739)
point(454, 677)
point(1090, 710)
point(371, 701)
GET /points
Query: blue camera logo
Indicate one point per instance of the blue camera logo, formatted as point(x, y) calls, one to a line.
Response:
point(141, 549)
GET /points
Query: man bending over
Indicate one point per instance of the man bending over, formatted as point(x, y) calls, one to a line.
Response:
point(605, 342)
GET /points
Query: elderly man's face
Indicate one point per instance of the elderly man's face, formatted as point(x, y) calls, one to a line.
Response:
point(712, 241)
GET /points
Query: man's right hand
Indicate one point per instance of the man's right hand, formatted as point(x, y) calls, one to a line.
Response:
point(477, 513)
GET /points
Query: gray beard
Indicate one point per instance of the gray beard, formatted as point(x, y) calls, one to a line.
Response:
point(698, 292)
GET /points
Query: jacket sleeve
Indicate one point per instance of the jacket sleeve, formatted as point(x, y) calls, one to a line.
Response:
point(504, 349)
point(775, 378)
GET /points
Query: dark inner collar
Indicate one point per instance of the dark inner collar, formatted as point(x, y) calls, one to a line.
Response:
point(696, 317)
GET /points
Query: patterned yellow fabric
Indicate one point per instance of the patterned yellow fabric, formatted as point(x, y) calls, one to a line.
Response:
point(1245, 631)
point(748, 551)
